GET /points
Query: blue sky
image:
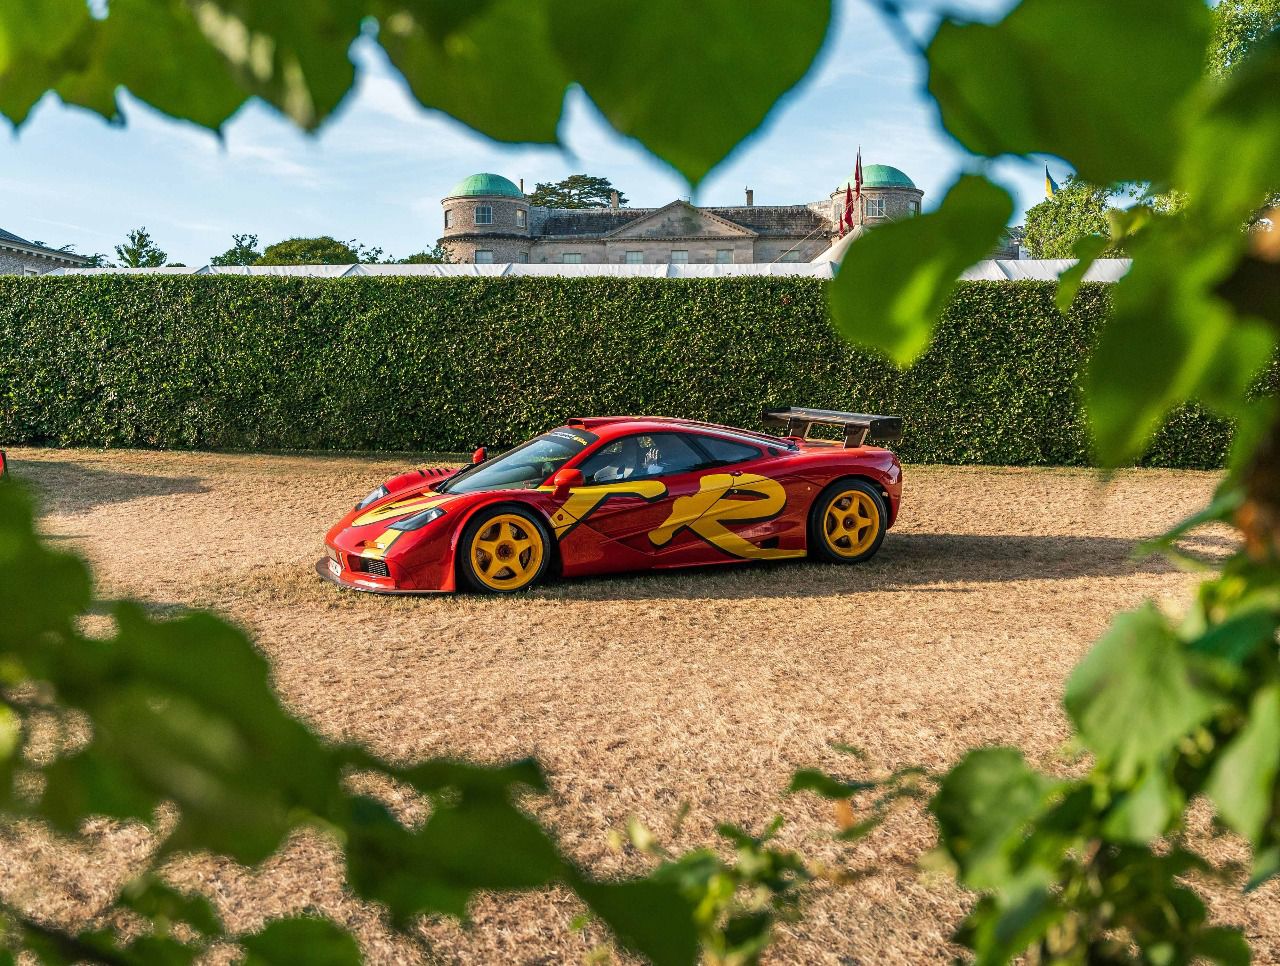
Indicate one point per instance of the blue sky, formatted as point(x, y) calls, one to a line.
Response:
point(376, 172)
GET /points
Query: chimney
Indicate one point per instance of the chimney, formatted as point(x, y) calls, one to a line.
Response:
point(522, 185)
point(613, 200)
point(751, 198)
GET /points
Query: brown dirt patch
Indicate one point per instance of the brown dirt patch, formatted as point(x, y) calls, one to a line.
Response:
point(640, 693)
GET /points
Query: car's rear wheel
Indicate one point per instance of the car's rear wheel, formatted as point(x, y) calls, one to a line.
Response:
point(848, 522)
point(503, 550)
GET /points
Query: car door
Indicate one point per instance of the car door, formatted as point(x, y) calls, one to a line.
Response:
point(629, 487)
point(729, 509)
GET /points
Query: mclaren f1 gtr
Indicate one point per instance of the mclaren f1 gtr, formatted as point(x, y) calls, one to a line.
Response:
point(611, 494)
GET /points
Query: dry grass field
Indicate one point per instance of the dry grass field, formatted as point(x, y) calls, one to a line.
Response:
point(638, 694)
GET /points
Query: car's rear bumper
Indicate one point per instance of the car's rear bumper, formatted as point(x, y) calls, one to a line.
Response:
point(368, 587)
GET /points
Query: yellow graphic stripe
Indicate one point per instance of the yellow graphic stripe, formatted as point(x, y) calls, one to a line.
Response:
point(401, 508)
point(584, 501)
point(706, 512)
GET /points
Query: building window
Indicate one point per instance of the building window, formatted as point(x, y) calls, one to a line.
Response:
point(484, 214)
point(524, 258)
point(571, 258)
point(724, 256)
point(835, 212)
point(913, 208)
point(680, 256)
point(448, 218)
point(635, 258)
point(522, 217)
point(875, 207)
point(30, 271)
point(484, 257)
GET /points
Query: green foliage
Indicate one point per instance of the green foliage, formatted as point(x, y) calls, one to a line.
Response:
point(1076, 211)
point(575, 191)
point(1022, 87)
point(140, 251)
point(415, 364)
point(182, 712)
point(243, 252)
point(1096, 868)
point(317, 251)
point(203, 61)
point(439, 255)
point(1238, 27)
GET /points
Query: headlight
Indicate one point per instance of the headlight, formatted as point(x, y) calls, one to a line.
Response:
point(373, 497)
point(418, 520)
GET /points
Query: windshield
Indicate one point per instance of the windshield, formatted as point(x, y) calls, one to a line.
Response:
point(528, 465)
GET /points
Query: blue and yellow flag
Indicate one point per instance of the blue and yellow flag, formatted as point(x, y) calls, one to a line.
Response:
point(1050, 186)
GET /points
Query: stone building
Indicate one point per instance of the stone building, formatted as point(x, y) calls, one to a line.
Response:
point(21, 257)
point(488, 218)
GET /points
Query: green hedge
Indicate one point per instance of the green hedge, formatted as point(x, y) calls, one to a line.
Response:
point(214, 362)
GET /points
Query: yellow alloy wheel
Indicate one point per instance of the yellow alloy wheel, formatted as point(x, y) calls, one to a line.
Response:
point(851, 523)
point(507, 552)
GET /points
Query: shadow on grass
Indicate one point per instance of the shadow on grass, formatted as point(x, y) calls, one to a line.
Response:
point(67, 486)
point(906, 562)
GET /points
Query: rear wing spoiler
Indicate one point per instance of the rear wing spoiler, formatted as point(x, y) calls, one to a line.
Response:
point(858, 427)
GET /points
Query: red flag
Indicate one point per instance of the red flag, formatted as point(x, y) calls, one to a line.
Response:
point(857, 183)
point(847, 220)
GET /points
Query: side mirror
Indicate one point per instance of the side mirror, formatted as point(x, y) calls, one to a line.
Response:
point(480, 455)
point(564, 481)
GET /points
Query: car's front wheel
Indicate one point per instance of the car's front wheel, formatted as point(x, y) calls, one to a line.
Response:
point(503, 550)
point(848, 522)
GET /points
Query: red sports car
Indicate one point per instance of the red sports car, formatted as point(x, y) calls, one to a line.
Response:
point(625, 493)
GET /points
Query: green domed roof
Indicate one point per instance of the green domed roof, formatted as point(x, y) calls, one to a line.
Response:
point(485, 184)
point(883, 176)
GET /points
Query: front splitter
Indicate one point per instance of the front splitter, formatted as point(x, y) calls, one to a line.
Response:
point(322, 568)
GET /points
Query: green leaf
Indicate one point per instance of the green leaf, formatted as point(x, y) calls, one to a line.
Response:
point(38, 43)
point(1086, 251)
point(40, 590)
point(1243, 781)
point(1069, 79)
point(293, 55)
point(155, 49)
point(473, 72)
point(1222, 944)
point(317, 942)
point(1142, 813)
point(1169, 339)
point(895, 282)
point(154, 899)
point(983, 808)
point(1132, 697)
point(650, 917)
point(820, 783)
point(183, 711)
point(1228, 167)
point(688, 80)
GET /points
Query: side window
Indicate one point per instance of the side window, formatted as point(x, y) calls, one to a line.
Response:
point(726, 451)
point(641, 457)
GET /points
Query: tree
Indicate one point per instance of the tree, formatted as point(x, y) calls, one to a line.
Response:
point(576, 191)
point(324, 250)
point(140, 251)
point(439, 255)
point(1075, 211)
point(1238, 27)
point(243, 252)
point(98, 260)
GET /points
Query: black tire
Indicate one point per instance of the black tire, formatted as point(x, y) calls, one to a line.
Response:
point(503, 566)
point(837, 541)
